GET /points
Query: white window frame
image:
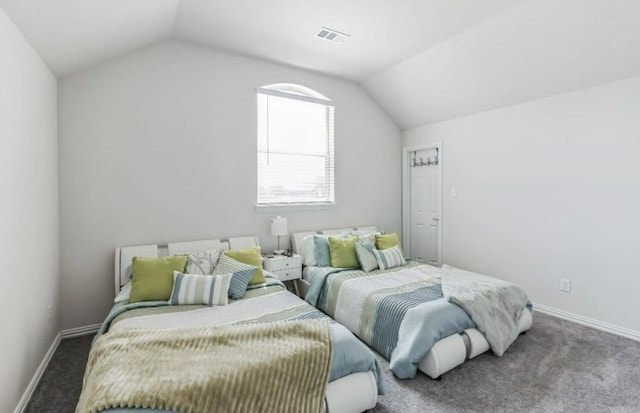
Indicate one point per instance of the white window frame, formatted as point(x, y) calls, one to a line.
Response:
point(305, 94)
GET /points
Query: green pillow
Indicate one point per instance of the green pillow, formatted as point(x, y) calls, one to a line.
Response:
point(384, 241)
point(250, 256)
point(152, 278)
point(343, 252)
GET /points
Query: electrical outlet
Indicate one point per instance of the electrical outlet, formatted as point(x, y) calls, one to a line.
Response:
point(565, 285)
point(50, 312)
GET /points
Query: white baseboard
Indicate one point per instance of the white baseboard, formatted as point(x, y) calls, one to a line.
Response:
point(589, 322)
point(80, 331)
point(26, 396)
point(73, 332)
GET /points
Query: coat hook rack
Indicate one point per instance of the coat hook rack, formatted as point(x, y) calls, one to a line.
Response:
point(430, 161)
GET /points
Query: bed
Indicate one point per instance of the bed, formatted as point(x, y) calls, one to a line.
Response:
point(419, 317)
point(353, 373)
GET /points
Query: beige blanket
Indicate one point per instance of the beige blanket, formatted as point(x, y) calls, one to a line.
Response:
point(270, 367)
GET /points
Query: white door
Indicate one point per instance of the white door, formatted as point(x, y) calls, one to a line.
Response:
point(425, 205)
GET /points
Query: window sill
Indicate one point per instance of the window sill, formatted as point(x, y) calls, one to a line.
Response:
point(294, 207)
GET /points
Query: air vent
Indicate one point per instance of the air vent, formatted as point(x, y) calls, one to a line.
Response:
point(332, 35)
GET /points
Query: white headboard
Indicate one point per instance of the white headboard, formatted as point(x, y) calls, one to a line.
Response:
point(297, 237)
point(124, 255)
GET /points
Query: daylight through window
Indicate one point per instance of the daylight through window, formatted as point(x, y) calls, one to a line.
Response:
point(295, 146)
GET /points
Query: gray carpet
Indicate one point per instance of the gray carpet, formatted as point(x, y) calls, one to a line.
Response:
point(557, 366)
point(60, 385)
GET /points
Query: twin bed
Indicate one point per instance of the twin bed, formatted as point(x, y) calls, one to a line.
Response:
point(401, 312)
point(354, 377)
point(407, 312)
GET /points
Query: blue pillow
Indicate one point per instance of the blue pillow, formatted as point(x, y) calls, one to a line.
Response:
point(321, 250)
point(242, 274)
point(390, 257)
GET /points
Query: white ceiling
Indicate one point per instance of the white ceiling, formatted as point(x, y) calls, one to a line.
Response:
point(71, 35)
point(74, 34)
point(536, 49)
point(383, 32)
point(422, 60)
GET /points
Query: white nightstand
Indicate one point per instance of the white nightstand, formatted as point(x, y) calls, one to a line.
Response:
point(285, 268)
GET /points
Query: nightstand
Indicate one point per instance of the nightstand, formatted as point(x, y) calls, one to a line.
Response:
point(285, 268)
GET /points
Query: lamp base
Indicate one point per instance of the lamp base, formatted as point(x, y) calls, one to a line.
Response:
point(278, 252)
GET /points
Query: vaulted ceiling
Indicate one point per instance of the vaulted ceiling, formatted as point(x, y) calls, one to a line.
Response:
point(422, 60)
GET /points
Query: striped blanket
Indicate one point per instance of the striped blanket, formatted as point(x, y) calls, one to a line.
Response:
point(400, 312)
point(284, 367)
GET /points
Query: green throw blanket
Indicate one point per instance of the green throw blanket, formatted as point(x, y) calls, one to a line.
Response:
point(271, 367)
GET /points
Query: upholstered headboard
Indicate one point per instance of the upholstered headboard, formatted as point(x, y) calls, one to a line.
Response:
point(124, 255)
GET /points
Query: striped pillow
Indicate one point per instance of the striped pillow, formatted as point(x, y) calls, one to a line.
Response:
point(200, 289)
point(390, 257)
point(241, 275)
point(366, 258)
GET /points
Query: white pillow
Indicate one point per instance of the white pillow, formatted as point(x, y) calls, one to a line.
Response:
point(203, 262)
point(123, 295)
point(308, 251)
point(368, 238)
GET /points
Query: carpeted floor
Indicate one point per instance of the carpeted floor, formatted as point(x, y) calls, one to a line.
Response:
point(60, 385)
point(558, 366)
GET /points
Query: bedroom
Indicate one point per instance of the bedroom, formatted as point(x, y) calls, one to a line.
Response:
point(536, 109)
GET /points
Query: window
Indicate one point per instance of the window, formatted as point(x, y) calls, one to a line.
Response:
point(295, 146)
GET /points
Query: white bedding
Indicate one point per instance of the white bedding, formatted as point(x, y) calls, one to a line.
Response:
point(216, 315)
point(307, 273)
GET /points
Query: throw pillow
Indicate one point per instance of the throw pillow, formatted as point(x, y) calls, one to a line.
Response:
point(241, 274)
point(152, 278)
point(343, 252)
point(366, 258)
point(250, 256)
point(200, 289)
point(203, 262)
point(321, 250)
point(368, 238)
point(384, 241)
point(124, 293)
point(308, 251)
point(389, 258)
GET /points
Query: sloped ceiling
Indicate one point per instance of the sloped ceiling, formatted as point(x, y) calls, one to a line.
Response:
point(422, 60)
point(71, 35)
point(533, 50)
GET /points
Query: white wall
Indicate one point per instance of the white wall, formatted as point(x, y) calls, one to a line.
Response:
point(28, 212)
point(160, 145)
point(549, 190)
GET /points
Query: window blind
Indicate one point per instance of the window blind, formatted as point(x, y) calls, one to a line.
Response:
point(295, 149)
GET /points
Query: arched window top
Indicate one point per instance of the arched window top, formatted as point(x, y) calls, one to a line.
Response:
point(293, 90)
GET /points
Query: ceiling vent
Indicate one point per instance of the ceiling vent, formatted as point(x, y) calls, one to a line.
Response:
point(332, 35)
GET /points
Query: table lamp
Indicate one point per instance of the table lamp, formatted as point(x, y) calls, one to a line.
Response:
point(278, 229)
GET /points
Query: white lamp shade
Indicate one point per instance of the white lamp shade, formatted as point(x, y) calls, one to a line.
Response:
point(278, 226)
